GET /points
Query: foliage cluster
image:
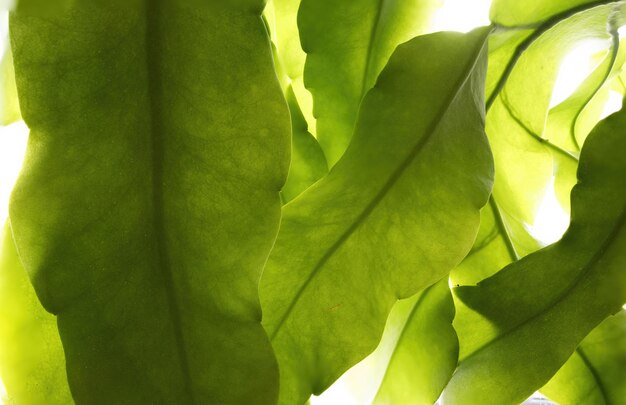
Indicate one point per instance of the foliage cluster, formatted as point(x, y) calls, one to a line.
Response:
point(233, 202)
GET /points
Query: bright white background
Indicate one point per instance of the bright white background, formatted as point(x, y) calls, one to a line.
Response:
point(455, 15)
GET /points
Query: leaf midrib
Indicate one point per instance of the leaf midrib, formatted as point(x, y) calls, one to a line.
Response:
point(541, 28)
point(153, 42)
point(543, 141)
point(370, 49)
point(594, 373)
point(403, 335)
point(615, 45)
point(432, 129)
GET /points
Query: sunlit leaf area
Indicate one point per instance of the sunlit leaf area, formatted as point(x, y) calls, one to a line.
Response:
point(321, 202)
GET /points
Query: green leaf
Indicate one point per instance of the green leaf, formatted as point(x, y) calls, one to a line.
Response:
point(347, 44)
point(513, 13)
point(415, 357)
point(283, 16)
point(518, 108)
point(531, 316)
point(596, 372)
point(523, 163)
point(9, 106)
point(421, 347)
point(32, 365)
point(498, 243)
point(396, 213)
point(286, 36)
point(308, 163)
point(570, 122)
point(505, 49)
point(149, 199)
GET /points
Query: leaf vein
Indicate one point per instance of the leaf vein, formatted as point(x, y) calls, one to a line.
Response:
point(432, 129)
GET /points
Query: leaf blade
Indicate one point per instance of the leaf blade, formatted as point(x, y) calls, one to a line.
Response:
point(311, 272)
point(425, 353)
point(347, 45)
point(542, 305)
point(139, 266)
point(597, 370)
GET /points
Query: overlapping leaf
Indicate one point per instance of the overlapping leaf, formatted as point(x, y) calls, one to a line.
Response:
point(502, 239)
point(513, 13)
point(347, 44)
point(308, 163)
point(149, 199)
point(282, 16)
point(519, 104)
point(416, 356)
point(528, 320)
point(419, 349)
point(32, 365)
point(596, 372)
point(570, 122)
point(397, 212)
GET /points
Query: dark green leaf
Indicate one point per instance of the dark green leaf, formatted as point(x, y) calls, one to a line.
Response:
point(596, 372)
point(396, 213)
point(149, 199)
point(531, 316)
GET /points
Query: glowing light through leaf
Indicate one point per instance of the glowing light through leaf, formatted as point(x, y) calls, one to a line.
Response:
point(614, 104)
point(461, 15)
point(12, 148)
point(551, 221)
point(576, 66)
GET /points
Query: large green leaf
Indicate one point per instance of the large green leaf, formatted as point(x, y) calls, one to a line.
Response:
point(32, 365)
point(531, 316)
point(149, 199)
point(347, 44)
point(596, 372)
point(397, 212)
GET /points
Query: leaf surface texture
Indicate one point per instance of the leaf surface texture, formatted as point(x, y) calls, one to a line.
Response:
point(395, 214)
point(149, 199)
